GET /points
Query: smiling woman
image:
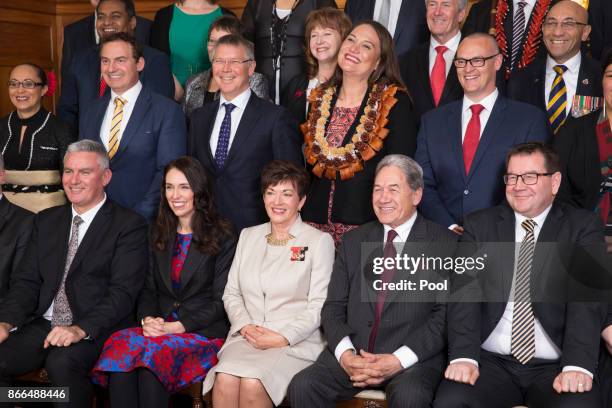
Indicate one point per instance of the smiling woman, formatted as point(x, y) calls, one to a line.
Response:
point(32, 142)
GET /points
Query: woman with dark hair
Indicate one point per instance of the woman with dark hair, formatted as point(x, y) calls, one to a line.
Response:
point(202, 87)
point(33, 143)
point(179, 30)
point(274, 295)
point(362, 114)
point(276, 27)
point(325, 29)
point(180, 309)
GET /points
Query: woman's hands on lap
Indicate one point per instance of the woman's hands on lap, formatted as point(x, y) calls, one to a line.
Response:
point(156, 326)
point(263, 338)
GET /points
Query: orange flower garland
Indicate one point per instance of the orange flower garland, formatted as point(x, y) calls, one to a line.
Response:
point(368, 139)
point(534, 32)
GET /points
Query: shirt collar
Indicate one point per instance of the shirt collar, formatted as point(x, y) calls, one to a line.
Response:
point(572, 64)
point(539, 219)
point(89, 215)
point(239, 101)
point(530, 3)
point(402, 230)
point(488, 101)
point(130, 95)
point(451, 44)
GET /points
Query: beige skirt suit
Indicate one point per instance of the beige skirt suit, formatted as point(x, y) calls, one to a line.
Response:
point(281, 288)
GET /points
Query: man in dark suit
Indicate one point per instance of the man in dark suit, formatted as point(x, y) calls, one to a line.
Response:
point(565, 82)
point(235, 137)
point(15, 229)
point(78, 280)
point(519, 19)
point(82, 34)
point(142, 131)
point(600, 18)
point(405, 19)
point(82, 83)
point(428, 70)
point(525, 342)
point(462, 145)
point(405, 339)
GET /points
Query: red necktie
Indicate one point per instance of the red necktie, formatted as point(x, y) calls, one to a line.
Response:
point(438, 74)
point(472, 136)
point(102, 87)
point(387, 276)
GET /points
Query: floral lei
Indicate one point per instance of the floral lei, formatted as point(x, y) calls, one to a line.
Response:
point(368, 138)
point(534, 33)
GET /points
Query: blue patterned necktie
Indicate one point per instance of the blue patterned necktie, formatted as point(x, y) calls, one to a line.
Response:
point(557, 100)
point(224, 136)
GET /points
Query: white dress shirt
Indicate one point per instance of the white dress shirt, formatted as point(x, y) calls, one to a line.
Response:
point(500, 339)
point(404, 354)
point(527, 9)
point(449, 55)
point(240, 102)
point(130, 96)
point(466, 113)
point(394, 9)
point(570, 77)
point(87, 218)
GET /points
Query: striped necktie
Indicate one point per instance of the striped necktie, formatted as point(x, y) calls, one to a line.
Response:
point(523, 324)
point(518, 29)
point(557, 100)
point(113, 139)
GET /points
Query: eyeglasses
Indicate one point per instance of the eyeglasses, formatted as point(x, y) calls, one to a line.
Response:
point(27, 84)
point(475, 62)
point(232, 63)
point(528, 178)
point(566, 25)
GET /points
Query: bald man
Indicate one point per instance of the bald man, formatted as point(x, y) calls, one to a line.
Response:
point(564, 83)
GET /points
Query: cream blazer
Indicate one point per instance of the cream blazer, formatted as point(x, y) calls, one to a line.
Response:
point(293, 305)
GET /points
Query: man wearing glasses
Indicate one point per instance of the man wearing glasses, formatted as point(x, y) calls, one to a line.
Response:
point(517, 348)
point(565, 82)
point(237, 135)
point(462, 145)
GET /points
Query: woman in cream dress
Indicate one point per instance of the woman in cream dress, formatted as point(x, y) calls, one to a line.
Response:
point(275, 291)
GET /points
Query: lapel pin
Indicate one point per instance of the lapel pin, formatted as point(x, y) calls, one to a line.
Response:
point(585, 81)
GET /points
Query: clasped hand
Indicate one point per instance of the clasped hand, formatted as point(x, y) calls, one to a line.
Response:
point(156, 326)
point(366, 369)
point(263, 338)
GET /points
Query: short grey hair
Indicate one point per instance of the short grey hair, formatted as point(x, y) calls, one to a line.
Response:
point(461, 4)
point(90, 146)
point(411, 169)
point(236, 40)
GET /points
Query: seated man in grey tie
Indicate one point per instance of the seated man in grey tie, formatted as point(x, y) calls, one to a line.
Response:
point(236, 136)
point(15, 228)
point(389, 342)
point(78, 280)
point(528, 343)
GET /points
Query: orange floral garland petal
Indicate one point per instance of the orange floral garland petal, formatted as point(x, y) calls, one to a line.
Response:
point(368, 139)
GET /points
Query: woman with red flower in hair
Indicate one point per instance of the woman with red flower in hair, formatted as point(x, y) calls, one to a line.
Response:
point(33, 142)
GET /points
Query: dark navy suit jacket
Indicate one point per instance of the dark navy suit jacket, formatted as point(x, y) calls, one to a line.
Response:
point(81, 82)
point(449, 193)
point(154, 135)
point(266, 132)
point(411, 29)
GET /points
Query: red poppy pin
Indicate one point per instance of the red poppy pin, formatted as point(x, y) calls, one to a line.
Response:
point(299, 93)
point(298, 253)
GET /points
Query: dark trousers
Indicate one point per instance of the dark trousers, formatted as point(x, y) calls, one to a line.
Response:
point(317, 386)
point(504, 382)
point(605, 376)
point(138, 388)
point(23, 352)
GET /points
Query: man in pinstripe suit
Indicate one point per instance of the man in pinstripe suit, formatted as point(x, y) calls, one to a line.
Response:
point(405, 341)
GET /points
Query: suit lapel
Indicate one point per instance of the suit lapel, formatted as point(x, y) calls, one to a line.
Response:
point(211, 115)
point(489, 133)
point(586, 81)
point(245, 127)
point(141, 108)
point(99, 118)
point(165, 264)
point(539, 82)
point(375, 235)
point(191, 266)
point(450, 85)
point(454, 130)
point(423, 72)
point(95, 230)
point(4, 209)
point(506, 236)
point(547, 234)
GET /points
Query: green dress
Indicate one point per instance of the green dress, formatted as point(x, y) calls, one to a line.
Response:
point(188, 34)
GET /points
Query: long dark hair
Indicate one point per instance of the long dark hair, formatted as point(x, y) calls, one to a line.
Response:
point(209, 229)
point(388, 71)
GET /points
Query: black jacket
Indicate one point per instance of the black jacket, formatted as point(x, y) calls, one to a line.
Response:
point(15, 230)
